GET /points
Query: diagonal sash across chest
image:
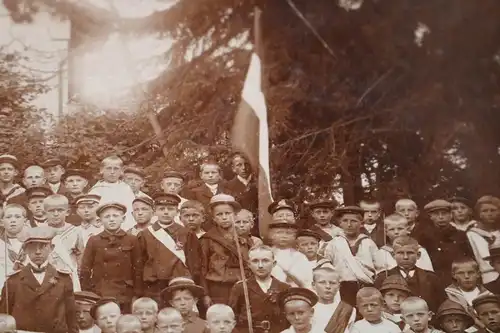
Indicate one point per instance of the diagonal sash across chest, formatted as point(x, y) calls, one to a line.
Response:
point(164, 237)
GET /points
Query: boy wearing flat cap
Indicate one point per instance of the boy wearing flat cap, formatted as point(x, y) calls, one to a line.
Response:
point(9, 169)
point(84, 301)
point(39, 296)
point(283, 210)
point(143, 213)
point(135, 177)
point(308, 243)
point(37, 214)
point(168, 249)
point(322, 212)
point(112, 262)
point(86, 208)
point(298, 307)
point(452, 318)
point(461, 209)
point(54, 170)
point(487, 308)
point(172, 182)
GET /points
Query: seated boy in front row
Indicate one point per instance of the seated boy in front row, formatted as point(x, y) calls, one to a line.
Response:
point(146, 309)
point(452, 318)
point(394, 291)
point(416, 314)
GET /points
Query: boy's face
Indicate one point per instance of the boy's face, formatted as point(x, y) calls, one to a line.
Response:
point(192, 218)
point(142, 212)
point(134, 181)
point(54, 174)
point(417, 317)
point(166, 213)
point(183, 301)
point(35, 205)
point(75, 184)
point(14, 220)
point(406, 256)
point(351, 224)
point(370, 308)
point(372, 212)
point(489, 213)
point(322, 215)
point(34, 177)
point(112, 219)
point(7, 172)
point(38, 252)
point(299, 314)
point(129, 328)
point(83, 318)
point(170, 324)
point(223, 216)
point(309, 246)
point(146, 314)
point(261, 263)
point(111, 171)
point(221, 323)
point(210, 174)
point(461, 212)
point(243, 223)
point(283, 237)
point(241, 167)
point(56, 213)
point(87, 210)
point(489, 314)
point(326, 285)
point(107, 316)
point(454, 323)
point(408, 210)
point(441, 217)
point(466, 276)
point(172, 185)
point(393, 299)
point(284, 215)
point(396, 229)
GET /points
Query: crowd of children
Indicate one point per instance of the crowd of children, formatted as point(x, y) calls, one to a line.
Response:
point(79, 256)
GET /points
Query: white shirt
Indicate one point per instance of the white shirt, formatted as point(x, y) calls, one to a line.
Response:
point(200, 233)
point(385, 326)
point(323, 313)
point(244, 181)
point(470, 295)
point(264, 285)
point(15, 244)
point(39, 276)
point(55, 187)
point(370, 227)
point(407, 274)
point(314, 329)
point(296, 264)
point(463, 227)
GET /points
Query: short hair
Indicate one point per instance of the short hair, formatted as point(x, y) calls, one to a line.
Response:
point(405, 201)
point(261, 247)
point(109, 159)
point(395, 218)
point(405, 241)
point(486, 199)
point(127, 319)
point(464, 260)
point(414, 300)
point(238, 154)
point(370, 202)
point(194, 204)
point(55, 199)
point(205, 163)
point(17, 206)
point(146, 301)
point(169, 312)
point(33, 167)
point(246, 212)
point(328, 270)
point(219, 309)
point(368, 292)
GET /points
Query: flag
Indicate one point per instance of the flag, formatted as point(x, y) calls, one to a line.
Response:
point(250, 135)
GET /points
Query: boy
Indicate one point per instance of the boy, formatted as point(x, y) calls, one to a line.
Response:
point(283, 211)
point(173, 183)
point(86, 208)
point(35, 196)
point(30, 295)
point(298, 306)
point(494, 260)
point(409, 209)
point(170, 321)
point(394, 291)
point(84, 301)
point(111, 264)
point(220, 261)
point(143, 213)
point(192, 216)
point(112, 189)
point(146, 309)
point(396, 225)
point(54, 170)
point(416, 314)
point(211, 183)
point(452, 318)
point(330, 309)
point(308, 243)
point(322, 213)
point(106, 313)
point(422, 283)
point(243, 186)
point(487, 308)
point(128, 324)
point(34, 175)
point(220, 319)
point(373, 225)
point(168, 249)
point(369, 302)
point(183, 294)
point(485, 234)
point(135, 177)
point(461, 209)
point(9, 169)
point(75, 182)
point(244, 224)
point(263, 290)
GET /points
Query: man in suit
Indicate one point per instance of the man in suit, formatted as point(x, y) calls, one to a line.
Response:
point(243, 186)
point(54, 170)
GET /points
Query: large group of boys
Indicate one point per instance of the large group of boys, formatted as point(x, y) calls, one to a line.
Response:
point(79, 256)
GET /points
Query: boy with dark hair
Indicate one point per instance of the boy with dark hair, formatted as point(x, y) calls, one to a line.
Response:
point(461, 209)
point(373, 224)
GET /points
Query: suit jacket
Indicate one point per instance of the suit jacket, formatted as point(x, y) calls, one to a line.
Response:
point(494, 286)
point(49, 307)
point(424, 284)
point(246, 195)
point(377, 234)
point(203, 194)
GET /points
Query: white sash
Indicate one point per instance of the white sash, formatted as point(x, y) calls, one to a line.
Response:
point(348, 261)
point(63, 254)
point(163, 237)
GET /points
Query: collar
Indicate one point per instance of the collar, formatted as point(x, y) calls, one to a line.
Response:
point(97, 224)
point(106, 234)
point(42, 266)
point(243, 180)
point(370, 227)
point(213, 187)
point(407, 274)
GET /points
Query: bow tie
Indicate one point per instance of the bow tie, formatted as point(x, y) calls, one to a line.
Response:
point(38, 269)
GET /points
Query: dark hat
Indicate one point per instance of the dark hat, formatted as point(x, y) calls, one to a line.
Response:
point(38, 192)
point(102, 301)
point(324, 203)
point(135, 170)
point(448, 307)
point(86, 297)
point(297, 294)
point(283, 225)
point(395, 282)
point(51, 162)
point(463, 200)
point(166, 199)
point(173, 174)
point(182, 283)
point(494, 253)
point(87, 198)
point(11, 159)
point(486, 298)
point(43, 234)
point(74, 172)
point(147, 200)
point(340, 211)
point(222, 198)
point(107, 205)
point(282, 204)
point(439, 204)
point(309, 233)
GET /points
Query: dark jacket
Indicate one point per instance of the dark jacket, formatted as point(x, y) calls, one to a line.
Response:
point(377, 234)
point(246, 195)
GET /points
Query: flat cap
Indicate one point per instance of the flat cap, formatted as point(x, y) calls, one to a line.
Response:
point(89, 198)
point(147, 200)
point(38, 192)
point(107, 205)
point(297, 294)
point(173, 174)
point(166, 199)
point(283, 225)
point(51, 162)
point(439, 204)
point(86, 297)
point(487, 199)
point(323, 203)
point(282, 204)
point(494, 253)
point(486, 298)
point(43, 234)
point(74, 172)
point(179, 283)
point(396, 282)
point(135, 170)
point(309, 233)
point(340, 211)
point(102, 301)
point(448, 307)
point(462, 200)
point(11, 159)
point(220, 199)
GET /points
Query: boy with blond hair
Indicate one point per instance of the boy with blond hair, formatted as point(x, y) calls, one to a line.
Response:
point(369, 302)
point(220, 319)
point(146, 309)
point(244, 224)
point(128, 324)
point(170, 320)
point(192, 216)
point(416, 314)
